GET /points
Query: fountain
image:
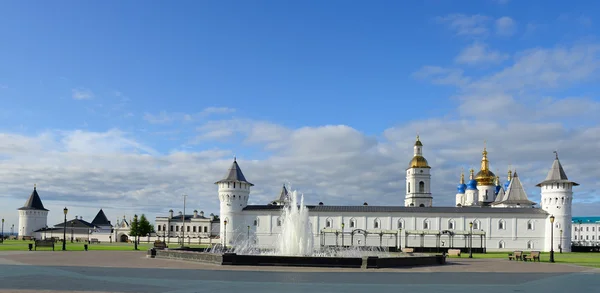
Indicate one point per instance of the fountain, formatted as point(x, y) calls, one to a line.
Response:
point(295, 247)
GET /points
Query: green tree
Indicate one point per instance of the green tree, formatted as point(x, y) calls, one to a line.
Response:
point(145, 228)
point(134, 229)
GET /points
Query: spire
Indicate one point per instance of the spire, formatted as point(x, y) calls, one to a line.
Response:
point(497, 181)
point(556, 174)
point(418, 161)
point(509, 175)
point(234, 174)
point(418, 142)
point(33, 202)
point(485, 164)
point(471, 174)
point(462, 177)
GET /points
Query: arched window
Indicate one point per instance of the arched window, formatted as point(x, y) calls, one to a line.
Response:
point(476, 225)
point(450, 224)
point(426, 224)
point(422, 205)
point(278, 222)
point(400, 224)
point(530, 244)
point(256, 222)
point(352, 223)
point(501, 244)
point(422, 187)
point(408, 187)
point(328, 223)
point(501, 225)
point(530, 225)
point(376, 224)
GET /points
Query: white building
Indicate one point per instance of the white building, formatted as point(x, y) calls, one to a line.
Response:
point(586, 231)
point(502, 217)
point(188, 227)
point(32, 216)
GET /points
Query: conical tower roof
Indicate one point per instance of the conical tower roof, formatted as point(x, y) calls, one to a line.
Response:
point(234, 174)
point(556, 174)
point(284, 196)
point(515, 193)
point(101, 219)
point(34, 202)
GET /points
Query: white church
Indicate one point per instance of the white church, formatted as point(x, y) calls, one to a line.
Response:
point(488, 216)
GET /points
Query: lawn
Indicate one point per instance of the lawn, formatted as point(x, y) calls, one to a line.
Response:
point(20, 245)
point(588, 259)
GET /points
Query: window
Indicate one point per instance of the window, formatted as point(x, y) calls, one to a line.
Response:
point(171, 228)
point(501, 225)
point(476, 225)
point(426, 224)
point(176, 228)
point(188, 228)
point(529, 245)
point(158, 228)
point(421, 205)
point(422, 187)
point(408, 187)
point(328, 223)
point(575, 237)
point(278, 222)
point(400, 224)
point(194, 228)
point(205, 229)
point(592, 237)
point(587, 237)
point(530, 225)
point(501, 244)
point(256, 222)
point(352, 223)
point(376, 224)
point(451, 224)
point(587, 229)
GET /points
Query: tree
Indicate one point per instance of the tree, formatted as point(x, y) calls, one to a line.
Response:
point(134, 229)
point(145, 228)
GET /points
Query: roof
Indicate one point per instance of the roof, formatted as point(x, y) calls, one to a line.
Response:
point(76, 223)
point(234, 174)
point(556, 174)
point(515, 193)
point(501, 195)
point(283, 196)
point(101, 219)
point(34, 202)
point(178, 218)
point(402, 209)
point(586, 220)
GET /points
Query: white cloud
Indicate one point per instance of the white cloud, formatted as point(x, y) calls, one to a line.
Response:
point(468, 25)
point(479, 53)
point(82, 94)
point(164, 117)
point(505, 26)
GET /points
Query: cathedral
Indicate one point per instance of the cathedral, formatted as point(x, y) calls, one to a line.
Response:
point(487, 216)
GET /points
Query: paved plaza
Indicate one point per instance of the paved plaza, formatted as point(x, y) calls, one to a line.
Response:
point(117, 271)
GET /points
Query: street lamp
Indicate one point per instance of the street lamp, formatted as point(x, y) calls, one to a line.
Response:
point(561, 239)
point(183, 220)
point(552, 238)
point(471, 240)
point(400, 239)
point(135, 232)
point(225, 234)
point(248, 232)
point(12, 229)
point(65, 211)
point(342, 234)
point(2, 237)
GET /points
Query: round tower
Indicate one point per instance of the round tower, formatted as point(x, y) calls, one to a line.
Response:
point(461, 188)
point(485, 181)
point(471, 197)
point(556, 199)
point(234, 191)
point(418, 179)
point(32, 216)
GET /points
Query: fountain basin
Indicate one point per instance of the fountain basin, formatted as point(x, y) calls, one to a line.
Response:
point(299, 261)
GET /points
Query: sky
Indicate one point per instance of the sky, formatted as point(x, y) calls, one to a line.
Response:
point(128, 105)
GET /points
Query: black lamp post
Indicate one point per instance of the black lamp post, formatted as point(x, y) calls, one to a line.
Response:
point(343, 234)
point(2, 237)
point(225, 234)
point(471, 240)
point(552, 238)
point(248, 232)
point(65, 211)
point(135, 232)
point(400, 239)
point(12, 229)
point(561, 239)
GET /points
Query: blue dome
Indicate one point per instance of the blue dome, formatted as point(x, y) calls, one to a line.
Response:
point(506, 184)
point(472, 185)
point(461, 188)
point(498, 189)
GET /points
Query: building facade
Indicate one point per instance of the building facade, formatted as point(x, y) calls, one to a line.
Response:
point(502, 216)
point(32, 216)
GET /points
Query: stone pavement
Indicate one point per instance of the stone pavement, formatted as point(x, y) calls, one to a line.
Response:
point(118, 271)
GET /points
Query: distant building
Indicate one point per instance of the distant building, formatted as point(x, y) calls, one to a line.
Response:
point(188, 226)
point(586, 231)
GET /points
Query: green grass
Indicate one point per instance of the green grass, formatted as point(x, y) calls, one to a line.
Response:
point(588, 259)
point(20, 245)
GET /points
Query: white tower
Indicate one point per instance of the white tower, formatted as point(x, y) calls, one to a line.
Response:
point(32, 216)
point(485, 181)
point(557, 196)
point(234, 191)
point(418, 180)
point(461, 188)
point(471, 197)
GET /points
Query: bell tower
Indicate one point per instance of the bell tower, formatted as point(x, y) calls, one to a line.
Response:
point(418, 179)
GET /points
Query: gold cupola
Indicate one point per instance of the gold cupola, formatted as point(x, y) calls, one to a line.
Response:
point(418, 161)
point(485, 176)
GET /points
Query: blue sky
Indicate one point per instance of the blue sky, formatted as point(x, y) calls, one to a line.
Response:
point(124, 86)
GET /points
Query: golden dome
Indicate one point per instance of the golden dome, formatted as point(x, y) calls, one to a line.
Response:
point(485, 176)
point(418, 162)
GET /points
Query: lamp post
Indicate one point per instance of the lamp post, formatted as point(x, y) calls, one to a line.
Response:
point(400, 239)
point(135, 232)
point(248, 232)
point(342, 234)
point(561, 239)
point(183, 220)
point(225, 234)
point(65, 211)
point(12, 229)
point(72, 223)
point(2, 237)
point(471, 240)
point(164, 233)
point(552, 238)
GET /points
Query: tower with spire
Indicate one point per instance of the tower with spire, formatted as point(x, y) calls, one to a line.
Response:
point(471, 194)
point(32, 216)
point(461, 188)
point(418, 179)
point(485, 181)
point(557, 197)
point(234, 191)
